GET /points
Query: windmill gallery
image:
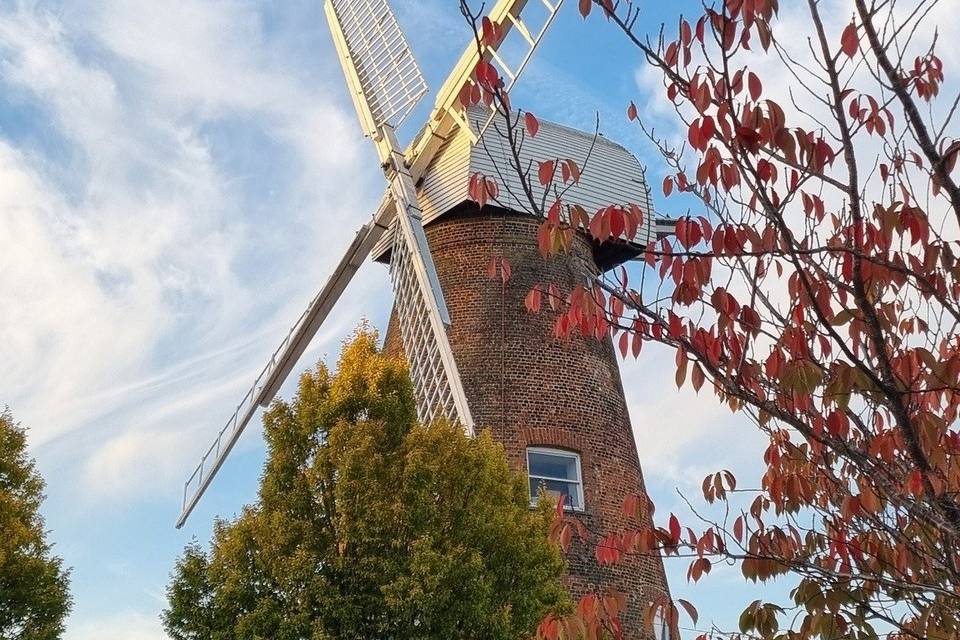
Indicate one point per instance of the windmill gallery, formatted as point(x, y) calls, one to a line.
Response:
point(475, 355)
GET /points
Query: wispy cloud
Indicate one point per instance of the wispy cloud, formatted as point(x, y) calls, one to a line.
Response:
point(137, 234)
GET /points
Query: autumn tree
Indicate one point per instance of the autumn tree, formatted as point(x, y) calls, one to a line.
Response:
point(34, 585)
point(370, 525)
point(814, 288)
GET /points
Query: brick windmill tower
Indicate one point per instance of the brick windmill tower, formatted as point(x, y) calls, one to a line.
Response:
point(475, 355)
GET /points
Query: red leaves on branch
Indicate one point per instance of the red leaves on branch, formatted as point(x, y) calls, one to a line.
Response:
point(499, 265)
point(787, 290)
point(688, 232)
point(470, 94)
point(925, 76)
point(487, 76)
point(609, 550)
point(700, 132)
point(569, 170)
point(482, 189)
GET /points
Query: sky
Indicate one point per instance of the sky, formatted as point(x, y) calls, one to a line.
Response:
point(176, 181)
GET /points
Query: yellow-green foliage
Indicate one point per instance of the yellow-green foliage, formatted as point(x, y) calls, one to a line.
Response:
point(370, 525)
point(34, 596)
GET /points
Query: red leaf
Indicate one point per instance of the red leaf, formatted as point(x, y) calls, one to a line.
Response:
point(585, 6)
point(674, 529)
point(492, 268)
point(667, 186)
point(545, 173)
point(670, 56)
point(553, 213)
point(490, 35)
point(491, 188)
point(465, 92)
point(617, 222)
point(698, 377)
point(533, 299)
point(685, 33)
point(532, 124)
point(690, 609)
point(753, 84)
point(693, 135)
point(849, 41)
point(544, 238)
point(632, 111)
point(707, 128)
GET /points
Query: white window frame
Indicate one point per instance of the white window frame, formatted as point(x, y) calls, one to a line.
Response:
point(579, 502)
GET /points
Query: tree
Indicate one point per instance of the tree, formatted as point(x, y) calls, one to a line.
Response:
point(370, 525)
point(815, 290)
point(34, 585)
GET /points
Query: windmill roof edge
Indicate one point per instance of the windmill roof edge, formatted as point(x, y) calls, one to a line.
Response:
point(611, 173)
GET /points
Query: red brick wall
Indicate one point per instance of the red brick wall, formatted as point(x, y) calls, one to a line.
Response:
point(530, 389)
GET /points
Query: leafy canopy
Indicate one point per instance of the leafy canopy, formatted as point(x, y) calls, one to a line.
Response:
point(370, 525)
point(34, 596)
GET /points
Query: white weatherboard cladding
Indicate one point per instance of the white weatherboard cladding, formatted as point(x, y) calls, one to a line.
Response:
point(610, 176)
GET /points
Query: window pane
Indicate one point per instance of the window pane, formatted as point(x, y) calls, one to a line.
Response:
point(555, 488)
point(552, 465)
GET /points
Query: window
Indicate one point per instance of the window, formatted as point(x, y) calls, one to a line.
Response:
point(558, 472)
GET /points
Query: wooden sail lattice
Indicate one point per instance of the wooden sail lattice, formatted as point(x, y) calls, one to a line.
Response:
point(435, 398)
point(387, 77)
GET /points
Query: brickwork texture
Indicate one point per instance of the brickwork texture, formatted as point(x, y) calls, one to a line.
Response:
point(530, 389)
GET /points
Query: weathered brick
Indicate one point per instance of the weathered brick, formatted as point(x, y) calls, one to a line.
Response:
point(531, 389)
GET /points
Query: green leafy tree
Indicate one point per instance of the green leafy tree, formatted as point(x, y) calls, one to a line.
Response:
point(370, 525)
point(34, 595)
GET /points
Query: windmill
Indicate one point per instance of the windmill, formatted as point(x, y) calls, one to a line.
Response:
point(385, 84)
point(474, 354)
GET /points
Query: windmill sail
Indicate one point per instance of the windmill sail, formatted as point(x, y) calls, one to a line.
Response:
point(265, 387)
point(386, 83)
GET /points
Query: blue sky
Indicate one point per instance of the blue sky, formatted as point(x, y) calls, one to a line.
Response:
point(176, 180)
